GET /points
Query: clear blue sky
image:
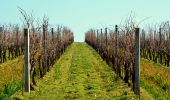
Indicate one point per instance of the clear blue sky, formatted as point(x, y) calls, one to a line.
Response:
point(80, 15)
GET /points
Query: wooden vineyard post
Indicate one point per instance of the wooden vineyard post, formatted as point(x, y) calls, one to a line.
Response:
point(53, 47)
point(94, 37)
point(143, 42)
point(63, 41)
point(44, 46)
point(90, 38)
point(116, 49)
point(52, 33)
point(137, 62)
point(106, 36)
point(26, 61)
point(97, 37)
point(116, 38)
point(101, 43)
point(160, 43)
point(97, 44)
point(160, 36)
point(106, 43)
point(17, 45)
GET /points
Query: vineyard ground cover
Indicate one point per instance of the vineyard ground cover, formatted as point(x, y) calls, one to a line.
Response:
point(155, 78)
point(81, 73)
point(11, 76)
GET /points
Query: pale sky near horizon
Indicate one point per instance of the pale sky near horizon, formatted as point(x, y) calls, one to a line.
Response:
point(81, 15)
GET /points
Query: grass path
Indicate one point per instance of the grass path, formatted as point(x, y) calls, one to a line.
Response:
point(81, 74)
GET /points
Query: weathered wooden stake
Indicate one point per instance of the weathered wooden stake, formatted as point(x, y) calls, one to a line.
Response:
point(101, 38)
point(52, 33)
point(137, 62)
point(44, 46)
point(97, 37)
point(116, 40)
point(160, 36)
point(26, 61)
point(17, 45)
point(106, 36)
point(116, 50)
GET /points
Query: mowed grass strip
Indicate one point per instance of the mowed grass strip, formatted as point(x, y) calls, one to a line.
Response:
point(155, 78)
point(80, 74)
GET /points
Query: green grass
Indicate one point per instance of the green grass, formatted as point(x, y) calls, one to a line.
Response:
point(80, 74)
point(10, 70)
point(10, 88)
point(155, 79)
point(11, 76)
